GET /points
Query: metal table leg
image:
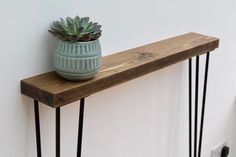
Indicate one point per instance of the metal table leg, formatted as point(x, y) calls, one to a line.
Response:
point(197, 142)
point(80, 130)
point(37, 128)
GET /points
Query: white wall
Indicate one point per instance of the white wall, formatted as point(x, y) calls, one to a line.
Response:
point(146, 117)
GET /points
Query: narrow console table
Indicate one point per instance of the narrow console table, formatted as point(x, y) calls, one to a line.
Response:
point(52, 90)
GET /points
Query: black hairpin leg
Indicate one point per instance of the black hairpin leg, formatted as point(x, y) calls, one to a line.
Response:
point(190, 107)
point(196, 106)
point(197, 148)
point(203, 103)
point(58, 128)
point(58, 132)
point(80, 130)
point(37, 128)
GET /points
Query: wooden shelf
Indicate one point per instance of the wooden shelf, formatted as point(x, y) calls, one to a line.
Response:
point(51, 89)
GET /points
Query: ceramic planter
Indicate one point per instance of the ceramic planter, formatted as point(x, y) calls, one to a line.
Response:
point(77, 61)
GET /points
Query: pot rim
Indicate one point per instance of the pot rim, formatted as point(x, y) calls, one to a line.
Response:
point(80, 42)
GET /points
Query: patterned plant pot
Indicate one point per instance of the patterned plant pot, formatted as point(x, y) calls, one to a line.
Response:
point(77, 61)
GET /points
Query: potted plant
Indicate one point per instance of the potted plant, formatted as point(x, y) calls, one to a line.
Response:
point(77, 54)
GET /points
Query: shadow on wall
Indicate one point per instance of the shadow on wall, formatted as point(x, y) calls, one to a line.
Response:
point(47, 127)
point(40, 61)
point(233, 128)
point(156, 108)
point(47, 43)
point(27, 104)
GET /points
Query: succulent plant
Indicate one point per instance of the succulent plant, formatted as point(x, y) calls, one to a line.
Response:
point(76, 30)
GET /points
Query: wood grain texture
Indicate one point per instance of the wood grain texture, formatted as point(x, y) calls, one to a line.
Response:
point(51, 89)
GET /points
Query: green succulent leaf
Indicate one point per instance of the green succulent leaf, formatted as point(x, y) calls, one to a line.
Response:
point(84, 21)
point(63, 22)
point(71, 25)
point(87, 26)
point(76, 29)
point(77, 21)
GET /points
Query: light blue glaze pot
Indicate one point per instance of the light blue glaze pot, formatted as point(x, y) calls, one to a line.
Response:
point(77, 61)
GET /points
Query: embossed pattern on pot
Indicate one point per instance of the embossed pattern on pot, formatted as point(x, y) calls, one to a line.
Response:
point(80, 49)
point(77, 61)
point(77, 65)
